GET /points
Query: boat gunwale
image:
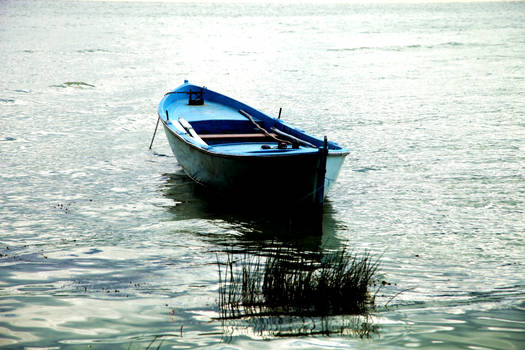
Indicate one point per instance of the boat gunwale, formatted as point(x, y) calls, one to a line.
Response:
point(201, 149)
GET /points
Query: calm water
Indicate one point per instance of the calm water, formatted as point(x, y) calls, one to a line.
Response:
point(105, 244)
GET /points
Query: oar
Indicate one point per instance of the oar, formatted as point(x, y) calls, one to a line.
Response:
point(247, 115)
point(293, 138)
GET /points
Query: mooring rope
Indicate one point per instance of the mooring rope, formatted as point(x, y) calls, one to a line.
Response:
point(156, 126)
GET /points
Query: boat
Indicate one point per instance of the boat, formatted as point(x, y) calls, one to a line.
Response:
point(245, 155)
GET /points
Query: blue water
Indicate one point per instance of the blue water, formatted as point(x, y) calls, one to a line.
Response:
point(105, 244)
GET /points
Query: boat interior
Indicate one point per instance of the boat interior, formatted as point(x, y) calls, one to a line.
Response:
point(218, 123)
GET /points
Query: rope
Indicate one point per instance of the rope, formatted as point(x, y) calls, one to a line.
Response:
point(156, 126)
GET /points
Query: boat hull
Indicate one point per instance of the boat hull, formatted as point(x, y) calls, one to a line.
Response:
point(287, 179)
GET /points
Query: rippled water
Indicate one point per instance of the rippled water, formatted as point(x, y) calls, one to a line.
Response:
point(106, 244)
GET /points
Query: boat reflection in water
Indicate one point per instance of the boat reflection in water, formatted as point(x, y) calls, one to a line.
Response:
point(271, 222)
point(277, 277)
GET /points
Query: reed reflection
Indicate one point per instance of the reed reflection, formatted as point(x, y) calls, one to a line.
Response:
point(289, 293)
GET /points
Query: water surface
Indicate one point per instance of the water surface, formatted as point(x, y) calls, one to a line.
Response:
point(104, 243)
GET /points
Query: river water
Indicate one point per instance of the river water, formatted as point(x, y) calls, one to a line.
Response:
point(105, 244)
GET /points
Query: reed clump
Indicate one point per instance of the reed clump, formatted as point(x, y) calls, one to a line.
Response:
point(286, 284)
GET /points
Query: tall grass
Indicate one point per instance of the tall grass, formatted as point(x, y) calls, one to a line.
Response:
point(284, 284)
